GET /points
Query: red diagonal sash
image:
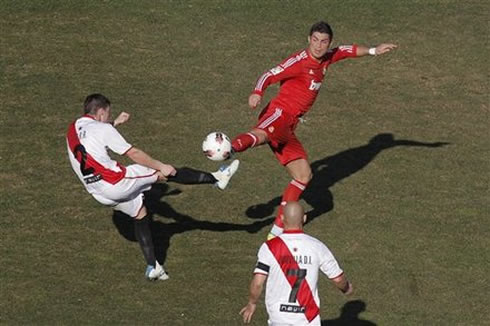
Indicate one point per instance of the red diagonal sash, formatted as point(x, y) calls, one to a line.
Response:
point(108, 175)
point(287, 262)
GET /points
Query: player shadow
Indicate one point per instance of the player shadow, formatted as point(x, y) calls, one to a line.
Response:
point(332, 169)
point(349, 315)
point(163, 232)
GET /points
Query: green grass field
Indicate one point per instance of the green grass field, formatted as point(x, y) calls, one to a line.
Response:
point(399, 145)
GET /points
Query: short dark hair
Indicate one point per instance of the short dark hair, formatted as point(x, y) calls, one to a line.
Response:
point(322, 27)
point(93, 102)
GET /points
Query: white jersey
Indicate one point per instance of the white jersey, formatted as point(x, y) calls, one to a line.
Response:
point(291, 262)
point(88, 142)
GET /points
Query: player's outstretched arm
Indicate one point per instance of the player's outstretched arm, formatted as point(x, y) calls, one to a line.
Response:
point(378, 50)
point(256, 287)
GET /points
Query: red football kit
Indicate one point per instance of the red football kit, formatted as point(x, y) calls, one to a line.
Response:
point(301, 77)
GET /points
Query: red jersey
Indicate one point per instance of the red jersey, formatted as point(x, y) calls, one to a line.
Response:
point(301, 77)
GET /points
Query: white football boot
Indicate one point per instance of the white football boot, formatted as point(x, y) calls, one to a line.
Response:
point(156, 273)
point(224, 174)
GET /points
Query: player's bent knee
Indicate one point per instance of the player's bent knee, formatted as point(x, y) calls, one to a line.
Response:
point(309, 177)
point(305, 179)
point(303, 174)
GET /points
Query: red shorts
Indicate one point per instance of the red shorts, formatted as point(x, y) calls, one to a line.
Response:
point(280, 126)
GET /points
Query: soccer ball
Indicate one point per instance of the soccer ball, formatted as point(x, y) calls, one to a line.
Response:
point(217, 146)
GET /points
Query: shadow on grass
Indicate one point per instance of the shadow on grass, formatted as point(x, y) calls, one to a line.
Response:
point(163, 232)
point(332, 169)
point(349, 315)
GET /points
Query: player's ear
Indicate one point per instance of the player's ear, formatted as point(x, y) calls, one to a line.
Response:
point(98, 114)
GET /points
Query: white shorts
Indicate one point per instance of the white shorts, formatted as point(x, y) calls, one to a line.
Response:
point(127, 195)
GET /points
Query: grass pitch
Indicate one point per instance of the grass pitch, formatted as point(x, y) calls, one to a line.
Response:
point(399, 145)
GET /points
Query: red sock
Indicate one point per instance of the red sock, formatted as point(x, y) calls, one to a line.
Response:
point(244, 141)
point(292, 193)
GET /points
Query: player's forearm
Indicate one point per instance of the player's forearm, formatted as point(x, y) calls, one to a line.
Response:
point(363, 51)
point(255, 291)
point(140, 157)
point(378, 50)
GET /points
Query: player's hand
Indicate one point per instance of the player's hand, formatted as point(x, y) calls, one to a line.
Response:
point(121, 118)
point(350, 289)
point(384, 48)
point(254, 100)
point(247, 312)
point(167, 170)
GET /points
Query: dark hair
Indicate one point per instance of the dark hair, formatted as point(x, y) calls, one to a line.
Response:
point(322, 27)
point(93, 102)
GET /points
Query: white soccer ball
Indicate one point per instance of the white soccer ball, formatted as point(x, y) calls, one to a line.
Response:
point(217, 146)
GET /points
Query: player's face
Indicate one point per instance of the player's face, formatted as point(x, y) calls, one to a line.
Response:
point(318, 44)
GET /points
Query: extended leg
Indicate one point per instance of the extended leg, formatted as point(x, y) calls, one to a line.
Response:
point(192, 176)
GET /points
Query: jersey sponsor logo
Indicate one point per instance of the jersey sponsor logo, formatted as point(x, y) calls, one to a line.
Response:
point(296, 277)
point(311, 72)
point(291, 308)
point(314, 86)
point(93, 179)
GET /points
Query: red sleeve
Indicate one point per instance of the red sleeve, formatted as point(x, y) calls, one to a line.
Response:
point(288, 68)
point(342, 52)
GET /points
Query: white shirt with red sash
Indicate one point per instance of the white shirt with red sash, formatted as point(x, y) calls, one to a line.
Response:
point(88, 142)
point(291, 262)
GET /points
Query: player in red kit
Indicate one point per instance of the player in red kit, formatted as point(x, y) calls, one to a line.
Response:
point(300, 77)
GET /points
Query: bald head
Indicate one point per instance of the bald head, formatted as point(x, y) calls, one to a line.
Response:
point(293, 214)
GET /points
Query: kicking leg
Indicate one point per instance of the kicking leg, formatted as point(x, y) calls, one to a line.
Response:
point(247, 140)
point(192, 176)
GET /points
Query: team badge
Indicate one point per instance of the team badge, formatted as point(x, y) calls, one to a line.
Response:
point(271, 129)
